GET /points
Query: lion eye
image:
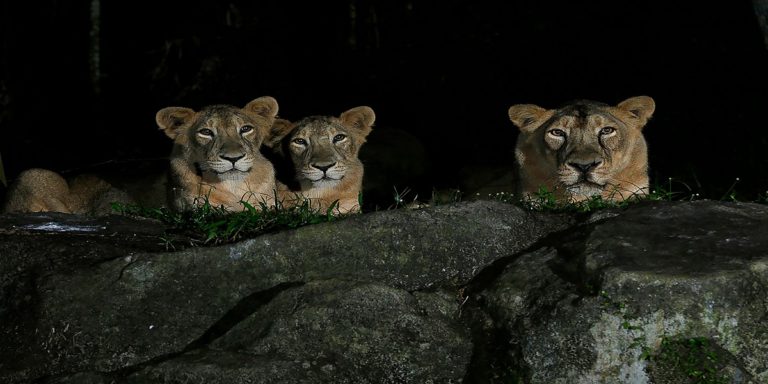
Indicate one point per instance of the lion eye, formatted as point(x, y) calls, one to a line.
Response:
point(246, 129)
point(339, 137)
point(607, 130)
point(205, 132)
point(557, 132)
point(300, 141)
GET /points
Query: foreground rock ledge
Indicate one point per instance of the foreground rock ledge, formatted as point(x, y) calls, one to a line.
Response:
point(470, 292)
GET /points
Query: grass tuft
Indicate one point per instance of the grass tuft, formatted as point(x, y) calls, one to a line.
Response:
point(209, 225)
point(671, 190)
point(545, 200)
point(697, 358)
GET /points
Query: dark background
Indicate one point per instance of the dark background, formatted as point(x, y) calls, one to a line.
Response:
point(444, 71)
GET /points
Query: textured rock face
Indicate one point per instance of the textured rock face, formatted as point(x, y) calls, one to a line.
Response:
point(615, 289)
point(473, 292)
point(152, 316)
point(343, 332)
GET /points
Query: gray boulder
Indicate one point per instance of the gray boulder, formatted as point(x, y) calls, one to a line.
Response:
point(144, 316)
point(616, 298)
point(479, 292)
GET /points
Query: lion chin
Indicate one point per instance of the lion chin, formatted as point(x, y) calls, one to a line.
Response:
point(225, 172)
point(327, 181)
point(232, 175)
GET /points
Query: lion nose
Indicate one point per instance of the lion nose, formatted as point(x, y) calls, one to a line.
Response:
point(232, 160)
point(323, 167)
point(585, 167)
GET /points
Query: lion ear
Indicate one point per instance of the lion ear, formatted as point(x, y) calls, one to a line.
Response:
point(173, 119)
point(641, 107)
point(359, 118)
point(280, 129)
point(265, 106)
point(526, 116)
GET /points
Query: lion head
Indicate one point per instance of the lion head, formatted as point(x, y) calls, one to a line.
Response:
point(323, 151)
point(216, 153)
point(584, 148)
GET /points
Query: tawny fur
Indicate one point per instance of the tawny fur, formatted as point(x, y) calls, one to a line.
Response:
point(42, 190)
point(583, 149)
point(324, 152)
point(216, 156)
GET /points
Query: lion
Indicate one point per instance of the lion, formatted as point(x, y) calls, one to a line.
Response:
point(43, 190)
point(323, 152)
point(216, 157)
point(583, 149)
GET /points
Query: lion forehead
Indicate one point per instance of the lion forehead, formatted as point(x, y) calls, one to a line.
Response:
point(602, 119)
point(562, 121)
point(318, 127)
point(587, 118)
point(224, 118)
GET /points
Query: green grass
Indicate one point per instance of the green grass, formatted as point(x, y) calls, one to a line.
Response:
point(210, 225)
point(762, 198)
point(545, 200)
point(696, 358)
point(678, 190)
point(670, 190)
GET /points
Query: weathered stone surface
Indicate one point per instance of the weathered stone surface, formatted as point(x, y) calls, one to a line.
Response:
point(477, 292)
point(614, 289)
point(115, 314)
point(338, 332)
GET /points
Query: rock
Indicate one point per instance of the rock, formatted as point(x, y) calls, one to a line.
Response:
point(474, 292)
point(340, 332)
point(614, 290)
point(118, 315)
